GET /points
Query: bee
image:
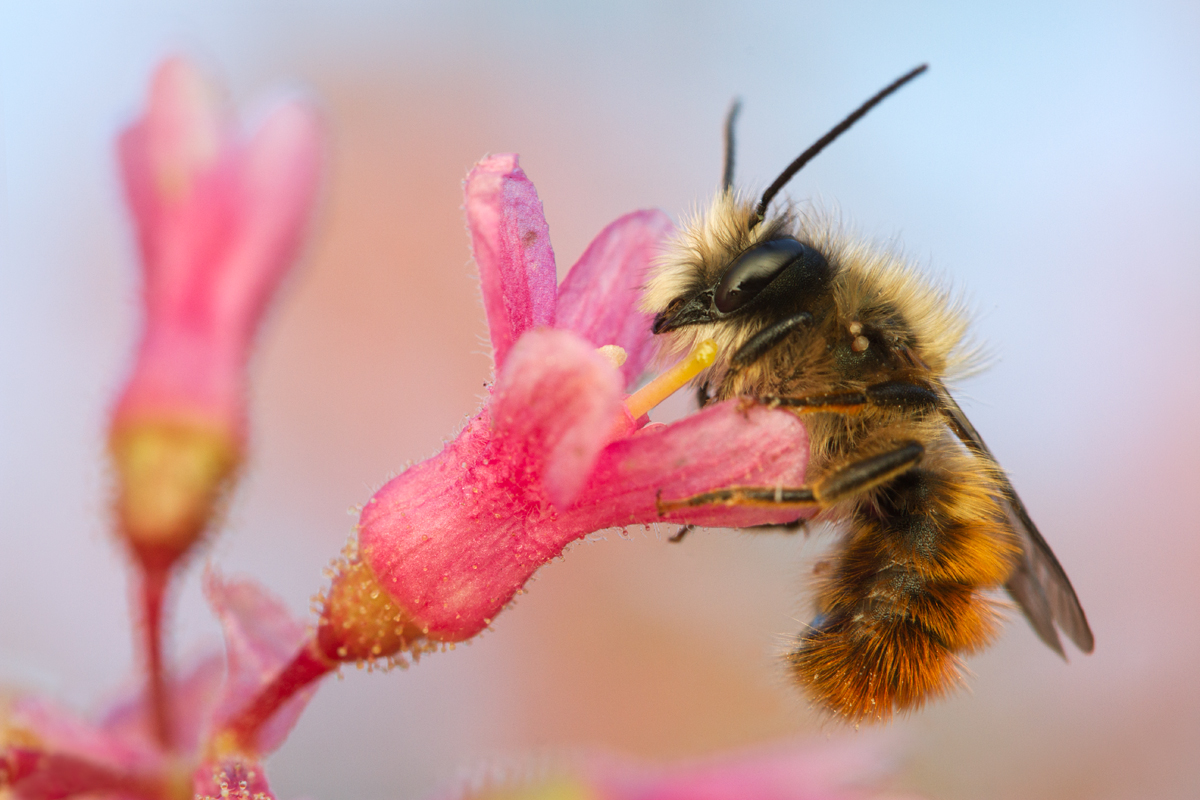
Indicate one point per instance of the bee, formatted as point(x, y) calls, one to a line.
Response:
point(861, 344)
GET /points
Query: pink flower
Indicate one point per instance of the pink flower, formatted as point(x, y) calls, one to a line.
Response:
point(553, 455)
point(842, 770)
point(46, 752)
point(219, 220)
point(231, 779)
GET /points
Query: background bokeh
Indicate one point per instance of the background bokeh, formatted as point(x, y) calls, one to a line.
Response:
point(1048, 164)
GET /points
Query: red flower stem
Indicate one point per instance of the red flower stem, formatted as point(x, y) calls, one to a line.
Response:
point(31, 772)
point(153, 595)
point(308, 665)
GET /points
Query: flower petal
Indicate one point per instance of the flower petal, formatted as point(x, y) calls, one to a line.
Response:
point(260, 638)
point(839, 770)
point(599, 297)
point(440, 537)
point(193, 697)
point(180, 175)
point(184, 122)
point(58, 731)
point(29, 773)
point(57, 754)
point(556, 402)
point(180, 137)
point(511, 243)
point(218, 222)
point(719, 447)
point(453, 538)
point(47, 754)
point(819, 771)
point(279, 173)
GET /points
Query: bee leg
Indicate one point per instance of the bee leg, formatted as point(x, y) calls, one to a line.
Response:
point(787, 527)
point(767, 339)
point(847, 481)
point(869, 472)
point(682, 532)
point(799, 496)
point(900, 395)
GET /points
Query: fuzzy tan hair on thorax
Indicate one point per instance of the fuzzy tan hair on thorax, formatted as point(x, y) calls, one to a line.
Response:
point(870, 283)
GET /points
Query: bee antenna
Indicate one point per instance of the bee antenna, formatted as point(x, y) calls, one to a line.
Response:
point(730, 121)
point(836, 131)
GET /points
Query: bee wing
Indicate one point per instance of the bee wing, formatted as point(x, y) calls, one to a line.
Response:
point(1038, 584)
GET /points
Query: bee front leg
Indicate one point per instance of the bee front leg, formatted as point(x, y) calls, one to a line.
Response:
point(762, 343)
point(842, 483)
point(768, 339)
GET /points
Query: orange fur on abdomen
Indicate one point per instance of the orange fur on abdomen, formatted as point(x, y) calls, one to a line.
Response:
point(905, 598)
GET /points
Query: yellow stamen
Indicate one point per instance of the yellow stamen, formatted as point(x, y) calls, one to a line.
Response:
point(669, 382)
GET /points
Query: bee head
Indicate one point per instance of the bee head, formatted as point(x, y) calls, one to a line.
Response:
point(724, 279)
point(775, 274)
point(735, 269)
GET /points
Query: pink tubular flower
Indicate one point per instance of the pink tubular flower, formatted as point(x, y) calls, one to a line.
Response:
point(48, 753)
point(218, 221)
point(554, 455)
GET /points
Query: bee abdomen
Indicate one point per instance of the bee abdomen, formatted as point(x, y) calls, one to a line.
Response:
point(905, 599)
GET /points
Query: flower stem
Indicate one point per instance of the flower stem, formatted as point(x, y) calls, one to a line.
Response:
point(153, 595)
point(240, 733)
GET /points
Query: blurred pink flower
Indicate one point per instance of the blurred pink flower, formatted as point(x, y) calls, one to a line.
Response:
point(554, 456)
point(844, 770)
point(218, 219)
point(46, 752)
point(234, 778)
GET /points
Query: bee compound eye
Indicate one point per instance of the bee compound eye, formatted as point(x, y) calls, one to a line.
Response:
point(753, 271)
